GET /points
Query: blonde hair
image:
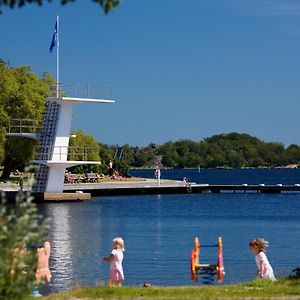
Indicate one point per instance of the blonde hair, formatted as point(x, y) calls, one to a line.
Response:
point(119, 242)
point(260, 244)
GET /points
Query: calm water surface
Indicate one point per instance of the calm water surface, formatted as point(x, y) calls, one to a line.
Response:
point(228, 176)
point(159, 231)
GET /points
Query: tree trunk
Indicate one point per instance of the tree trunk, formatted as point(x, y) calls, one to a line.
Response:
point(6, 171)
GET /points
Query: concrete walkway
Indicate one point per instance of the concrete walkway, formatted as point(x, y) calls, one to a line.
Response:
point(13, 187)
point(144, 183)
point(113, 184)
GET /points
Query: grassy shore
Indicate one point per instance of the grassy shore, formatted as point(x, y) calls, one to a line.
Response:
point(258, 289)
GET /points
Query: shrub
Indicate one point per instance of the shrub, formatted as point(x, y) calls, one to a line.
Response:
point(20, 225)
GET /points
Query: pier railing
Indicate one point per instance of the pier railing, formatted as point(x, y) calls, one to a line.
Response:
point(64, 153)
point(91, 91)
point(23, 126)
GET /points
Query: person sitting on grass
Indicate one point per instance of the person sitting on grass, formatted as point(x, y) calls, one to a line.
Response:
point(100, 176)
point(68, 178)
point(116, 175)
point(85, 177)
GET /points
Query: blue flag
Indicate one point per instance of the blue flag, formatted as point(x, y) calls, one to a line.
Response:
point(54, 38)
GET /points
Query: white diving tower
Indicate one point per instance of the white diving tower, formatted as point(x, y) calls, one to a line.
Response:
point(54, 155)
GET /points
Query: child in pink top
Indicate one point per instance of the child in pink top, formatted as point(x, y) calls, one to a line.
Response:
point(116, 274)
point(258, 247)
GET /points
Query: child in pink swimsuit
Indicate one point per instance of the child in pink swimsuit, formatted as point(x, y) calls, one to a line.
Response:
point(116, 274)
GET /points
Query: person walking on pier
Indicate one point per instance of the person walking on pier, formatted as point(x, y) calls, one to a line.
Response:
point(116, 274)
point(21, 182)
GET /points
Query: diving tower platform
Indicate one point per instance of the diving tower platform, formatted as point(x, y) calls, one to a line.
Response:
point(53, 153)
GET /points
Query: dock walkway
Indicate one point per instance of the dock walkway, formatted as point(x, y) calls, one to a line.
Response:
point(150, 186)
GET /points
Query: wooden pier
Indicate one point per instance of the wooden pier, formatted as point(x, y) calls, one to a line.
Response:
point(177, 187)
point(84, 191)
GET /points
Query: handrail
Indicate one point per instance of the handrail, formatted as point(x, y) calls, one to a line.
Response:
point(64, 153)
point(18, 126)
point(92, 91)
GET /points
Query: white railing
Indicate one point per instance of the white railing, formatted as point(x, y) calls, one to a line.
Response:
point(23, 126)
point(64, 153)
point(92, 91)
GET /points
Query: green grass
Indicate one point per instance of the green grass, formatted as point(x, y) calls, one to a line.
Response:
point(258, 289)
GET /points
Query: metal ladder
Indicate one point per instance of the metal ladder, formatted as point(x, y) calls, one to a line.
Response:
point(189, 188)
point(45, 148)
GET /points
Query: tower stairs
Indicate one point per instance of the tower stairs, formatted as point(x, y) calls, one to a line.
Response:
point(46, 142)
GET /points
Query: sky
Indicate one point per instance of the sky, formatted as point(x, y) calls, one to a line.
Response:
point(178, 69)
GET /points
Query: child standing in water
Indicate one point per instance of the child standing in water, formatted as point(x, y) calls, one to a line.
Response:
point(42, 270)
point(43, 256)
point(258, 247)
point(115, 259)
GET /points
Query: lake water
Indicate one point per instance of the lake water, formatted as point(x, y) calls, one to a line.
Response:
point(228, 176)
point(159, 231)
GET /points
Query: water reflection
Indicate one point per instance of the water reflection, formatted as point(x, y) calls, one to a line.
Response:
point(61, 263)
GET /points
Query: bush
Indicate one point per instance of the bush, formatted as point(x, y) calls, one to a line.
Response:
point(20, 225)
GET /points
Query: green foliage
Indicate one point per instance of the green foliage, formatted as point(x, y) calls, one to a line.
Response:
point(122, 167)
point(22, 96)
point(228, 150)
point(107, 5)
point(83, 147)
point(2, 143)
point(19, 225)
point(18, 152)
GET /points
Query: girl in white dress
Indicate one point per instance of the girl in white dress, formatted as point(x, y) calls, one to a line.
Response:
point(258, 247)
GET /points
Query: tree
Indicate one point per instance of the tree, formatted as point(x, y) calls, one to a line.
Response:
point(83, 147)
point(236, 160)
point(22, 96)
point(106, 5)
point(292, 154)
point(106, 154)
point(2, 143)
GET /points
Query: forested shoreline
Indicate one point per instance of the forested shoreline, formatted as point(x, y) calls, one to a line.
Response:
point(231, 150)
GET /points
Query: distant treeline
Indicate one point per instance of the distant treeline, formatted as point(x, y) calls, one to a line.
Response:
point(223, 150)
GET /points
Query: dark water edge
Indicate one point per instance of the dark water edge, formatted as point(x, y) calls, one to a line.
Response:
point(227, 176)
point(159, 231)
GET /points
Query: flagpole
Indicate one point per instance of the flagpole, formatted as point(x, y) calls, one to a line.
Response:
point(57, 59)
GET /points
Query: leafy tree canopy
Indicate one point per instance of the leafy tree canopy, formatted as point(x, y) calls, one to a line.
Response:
point(233, 150)
point(84, 147)
point(106, 5)
point(22, 96)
